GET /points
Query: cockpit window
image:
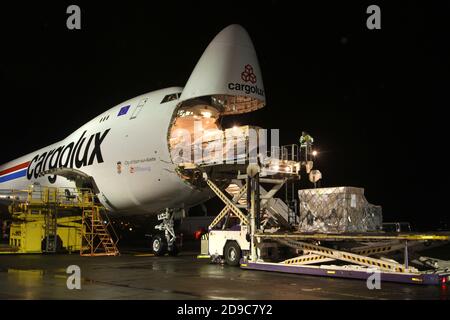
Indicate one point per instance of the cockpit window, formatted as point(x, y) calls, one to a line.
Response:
point(171, 97)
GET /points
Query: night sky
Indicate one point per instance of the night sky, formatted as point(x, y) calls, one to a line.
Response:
point(374, 100)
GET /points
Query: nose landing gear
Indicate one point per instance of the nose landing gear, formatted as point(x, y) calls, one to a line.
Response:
point(165, 243)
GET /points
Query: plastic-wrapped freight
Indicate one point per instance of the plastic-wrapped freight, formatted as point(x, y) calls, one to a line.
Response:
point(337, 210)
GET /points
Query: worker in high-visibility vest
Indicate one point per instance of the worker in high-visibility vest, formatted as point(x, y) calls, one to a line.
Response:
point(306, 142)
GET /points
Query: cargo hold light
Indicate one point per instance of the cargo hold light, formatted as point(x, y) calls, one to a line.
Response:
point(206, 114)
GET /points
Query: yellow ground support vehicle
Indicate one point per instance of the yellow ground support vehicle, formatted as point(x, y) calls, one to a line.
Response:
point(28, 234)
point(50, 220)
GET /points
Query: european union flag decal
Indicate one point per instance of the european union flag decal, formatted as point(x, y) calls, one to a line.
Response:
point(123, 110)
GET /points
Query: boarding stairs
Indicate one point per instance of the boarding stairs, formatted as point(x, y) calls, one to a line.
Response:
point(98, 236)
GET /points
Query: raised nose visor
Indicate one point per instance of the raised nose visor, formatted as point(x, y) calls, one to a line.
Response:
point(228, 76)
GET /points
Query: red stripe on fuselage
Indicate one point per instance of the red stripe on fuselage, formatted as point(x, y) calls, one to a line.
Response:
point(15, 168)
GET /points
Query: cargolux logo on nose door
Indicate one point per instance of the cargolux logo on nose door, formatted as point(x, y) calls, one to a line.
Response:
point(247, 75)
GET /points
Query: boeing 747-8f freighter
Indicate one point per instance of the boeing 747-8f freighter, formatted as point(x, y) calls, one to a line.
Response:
point(126, 154)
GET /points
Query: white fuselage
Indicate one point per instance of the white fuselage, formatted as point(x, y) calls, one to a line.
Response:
point(125, 150)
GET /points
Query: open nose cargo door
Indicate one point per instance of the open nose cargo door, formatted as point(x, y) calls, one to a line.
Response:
point(226, 81)
point(227, 77)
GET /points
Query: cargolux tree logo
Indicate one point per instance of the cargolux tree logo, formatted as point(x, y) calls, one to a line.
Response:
point(248, 75)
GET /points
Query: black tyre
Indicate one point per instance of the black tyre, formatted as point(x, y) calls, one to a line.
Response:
point(173, 250)
point(232, 253)
point(159, 245)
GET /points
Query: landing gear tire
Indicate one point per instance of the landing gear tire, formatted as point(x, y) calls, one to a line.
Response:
point(159, 245)
point(173, 251)
point(232, 253)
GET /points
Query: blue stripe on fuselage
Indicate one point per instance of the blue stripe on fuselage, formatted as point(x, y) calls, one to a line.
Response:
point(15, 175)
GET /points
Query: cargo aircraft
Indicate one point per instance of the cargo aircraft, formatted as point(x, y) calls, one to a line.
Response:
point(126, 154)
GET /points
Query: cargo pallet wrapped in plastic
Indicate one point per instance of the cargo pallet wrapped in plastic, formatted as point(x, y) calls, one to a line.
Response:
point(337, 210)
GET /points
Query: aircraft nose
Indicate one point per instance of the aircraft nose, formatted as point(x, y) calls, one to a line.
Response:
point(234, 34)
point(228, 72)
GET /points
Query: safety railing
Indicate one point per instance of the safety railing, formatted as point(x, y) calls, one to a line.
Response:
point(290, 152)
point(38, 195)
point(238, 151)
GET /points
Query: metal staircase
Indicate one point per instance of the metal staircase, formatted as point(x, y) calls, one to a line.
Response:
point(98, 235)
point(51, 229)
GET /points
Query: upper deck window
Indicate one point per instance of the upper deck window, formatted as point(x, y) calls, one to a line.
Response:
point(171, 97)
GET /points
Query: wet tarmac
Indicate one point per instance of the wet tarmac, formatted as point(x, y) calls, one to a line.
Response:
point(136, 275)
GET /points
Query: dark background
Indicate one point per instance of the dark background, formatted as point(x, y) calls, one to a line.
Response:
point(374, 100)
